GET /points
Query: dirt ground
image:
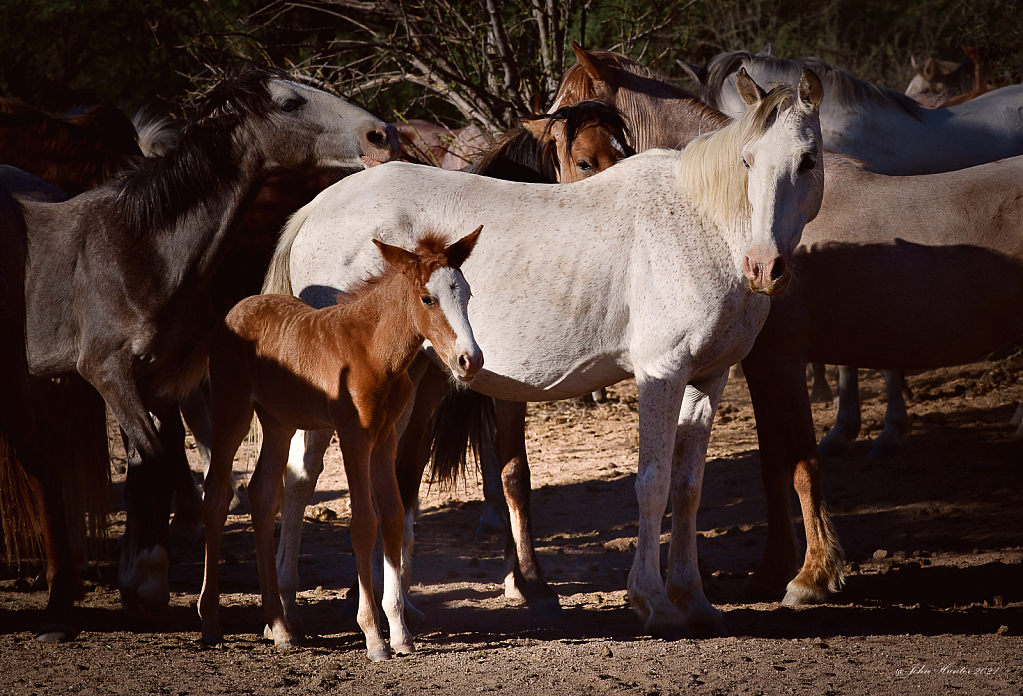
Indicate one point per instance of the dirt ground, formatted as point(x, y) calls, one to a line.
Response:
point(933, 603)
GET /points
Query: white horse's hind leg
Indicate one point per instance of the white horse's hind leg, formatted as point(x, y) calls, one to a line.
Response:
point(305, 464)
point(683, 583)
point(896, 419)
point(847, 422)
point(659, 404)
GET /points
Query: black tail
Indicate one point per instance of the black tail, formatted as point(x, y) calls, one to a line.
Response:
point(464, 421)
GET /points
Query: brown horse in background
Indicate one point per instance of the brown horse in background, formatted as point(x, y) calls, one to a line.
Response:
point(74, 153)
point(342, 367)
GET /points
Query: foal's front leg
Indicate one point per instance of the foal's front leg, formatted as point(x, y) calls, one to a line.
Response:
point(683, 582)
point(355, 451)
point(659, 403)
point(392, 522)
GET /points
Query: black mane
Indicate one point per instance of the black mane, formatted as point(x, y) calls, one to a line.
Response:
point(520, 156)
point(201, 166)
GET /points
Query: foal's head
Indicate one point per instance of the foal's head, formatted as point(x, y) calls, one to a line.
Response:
point(438, 298)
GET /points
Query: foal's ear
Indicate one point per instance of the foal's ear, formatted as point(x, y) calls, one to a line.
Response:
point(458, 252)
point(810, 90)
point(749, 91)
point(395, 255)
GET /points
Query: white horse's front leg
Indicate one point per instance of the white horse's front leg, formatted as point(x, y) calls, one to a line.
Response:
point(683, 584)
point(659, 403)
point(305, 464)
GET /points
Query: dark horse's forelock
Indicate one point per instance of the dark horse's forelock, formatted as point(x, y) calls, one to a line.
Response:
point(596, 112)
point(154, 196)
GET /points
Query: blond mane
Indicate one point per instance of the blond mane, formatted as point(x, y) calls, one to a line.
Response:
point(711, 170)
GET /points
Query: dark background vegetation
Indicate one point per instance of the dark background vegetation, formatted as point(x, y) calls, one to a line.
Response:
point(456, 60)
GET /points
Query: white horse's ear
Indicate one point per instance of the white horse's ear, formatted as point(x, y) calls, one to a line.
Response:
point(765, 52)
point(749, 91)
point(458, 252)
point(696, 73)
point(810, 90)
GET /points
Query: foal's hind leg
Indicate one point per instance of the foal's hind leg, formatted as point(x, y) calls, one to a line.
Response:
point(265, 500)
point(683, 583)
point(305, 464)
point(523, 578)
point(232, 414)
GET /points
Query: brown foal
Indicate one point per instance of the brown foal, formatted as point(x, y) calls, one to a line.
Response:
point(342, 367)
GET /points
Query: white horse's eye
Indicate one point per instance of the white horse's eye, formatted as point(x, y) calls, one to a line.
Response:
point(807, 162)
point(745, 163)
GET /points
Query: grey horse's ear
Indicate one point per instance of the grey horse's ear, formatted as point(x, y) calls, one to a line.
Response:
point(765, 52)
point(810, 90)
point(696, 73)
point(749, 91)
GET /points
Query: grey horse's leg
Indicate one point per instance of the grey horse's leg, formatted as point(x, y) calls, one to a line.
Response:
point(847, 422)
point(896, 418)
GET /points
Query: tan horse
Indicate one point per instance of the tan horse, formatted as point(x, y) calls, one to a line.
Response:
point(343, 367)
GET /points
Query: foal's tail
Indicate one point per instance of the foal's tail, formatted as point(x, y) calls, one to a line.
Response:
point(278, 277)
point(463, 421)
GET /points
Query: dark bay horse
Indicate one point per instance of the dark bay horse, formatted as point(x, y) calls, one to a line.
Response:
point(342, 367)
point(118, 284)
point(74, 153)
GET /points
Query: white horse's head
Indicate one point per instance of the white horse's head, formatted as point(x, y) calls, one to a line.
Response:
point(762, 176)
point(782, 152)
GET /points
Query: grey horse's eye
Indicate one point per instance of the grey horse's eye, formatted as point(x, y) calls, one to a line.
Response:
point(807, 162)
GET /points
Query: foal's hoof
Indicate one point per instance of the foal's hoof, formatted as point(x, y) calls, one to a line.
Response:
point(56, 633)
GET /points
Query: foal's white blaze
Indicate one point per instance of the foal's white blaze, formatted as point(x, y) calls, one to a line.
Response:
point(451, 289)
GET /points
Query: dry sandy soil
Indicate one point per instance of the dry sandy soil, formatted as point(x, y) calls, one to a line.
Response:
point(933, 603)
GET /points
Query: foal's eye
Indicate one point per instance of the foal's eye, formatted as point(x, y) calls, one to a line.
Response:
point(290, 105)
point(584, 165)
point(807, 163)
point(428, 301)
